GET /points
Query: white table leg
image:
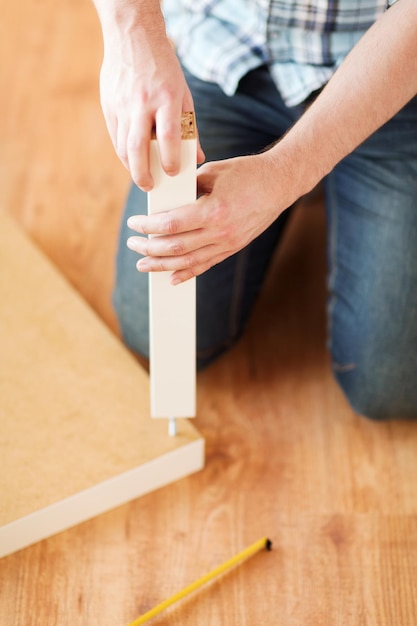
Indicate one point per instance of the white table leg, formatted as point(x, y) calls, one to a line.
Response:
point(173, 309)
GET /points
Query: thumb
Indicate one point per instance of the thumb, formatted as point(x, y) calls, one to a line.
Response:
point(205, 179)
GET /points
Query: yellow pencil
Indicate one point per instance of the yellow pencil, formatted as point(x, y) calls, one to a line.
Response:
point(258, 545)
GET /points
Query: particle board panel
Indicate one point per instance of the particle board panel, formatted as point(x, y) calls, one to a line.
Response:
point(76, 437)
point(173, 308)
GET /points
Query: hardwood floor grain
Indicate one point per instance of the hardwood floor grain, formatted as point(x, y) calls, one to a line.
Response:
point(286, 457)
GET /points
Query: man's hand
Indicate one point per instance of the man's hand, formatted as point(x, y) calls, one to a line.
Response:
point(142, 87)
point(238, 199)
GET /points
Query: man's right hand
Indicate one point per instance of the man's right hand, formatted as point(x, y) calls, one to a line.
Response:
point(142, 87)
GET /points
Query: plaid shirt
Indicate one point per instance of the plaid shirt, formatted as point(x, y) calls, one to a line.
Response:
point(302, 41)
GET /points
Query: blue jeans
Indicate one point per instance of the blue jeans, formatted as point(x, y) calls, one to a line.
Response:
point(371, 199)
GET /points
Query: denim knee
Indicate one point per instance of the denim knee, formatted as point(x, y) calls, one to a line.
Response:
point(132, 320)
point(357, 391)
point(375, 391)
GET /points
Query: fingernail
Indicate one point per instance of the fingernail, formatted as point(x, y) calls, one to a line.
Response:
point(142, 266)
point(175, 281)
point(132, 222)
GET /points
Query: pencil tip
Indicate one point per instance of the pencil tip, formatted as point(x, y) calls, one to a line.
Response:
point(268, 544)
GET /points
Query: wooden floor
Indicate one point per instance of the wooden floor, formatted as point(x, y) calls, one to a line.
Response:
point(286, 457)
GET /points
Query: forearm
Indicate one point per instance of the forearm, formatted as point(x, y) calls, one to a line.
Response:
point(126, 16)
point(132, 29)
point(374, 82)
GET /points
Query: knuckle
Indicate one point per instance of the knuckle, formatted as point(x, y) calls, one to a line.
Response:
point(177, 248)
point(171, 168)
point(143, 247)
point(144, 182)
point(218, 213)
point(159, 266)
point(141, 228)
point(134, 143)
point(190, 263)
point(168, 131)
point(170, 225)
point(226, 234)
point(233, 238)
point(166, 92)
point(185, 275)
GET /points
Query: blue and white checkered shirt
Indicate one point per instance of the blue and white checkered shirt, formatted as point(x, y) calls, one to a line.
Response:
point(302, 41)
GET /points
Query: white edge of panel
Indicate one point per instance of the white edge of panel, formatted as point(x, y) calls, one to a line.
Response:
point(101, 498)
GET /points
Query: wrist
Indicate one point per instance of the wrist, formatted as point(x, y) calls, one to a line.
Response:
point(290, 164)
